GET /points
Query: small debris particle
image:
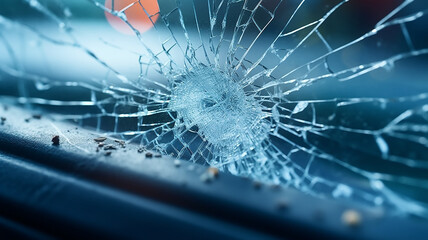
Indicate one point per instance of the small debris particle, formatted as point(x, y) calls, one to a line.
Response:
point(110, 147)
point(108, 153)
point(257, 184)
point(27, 120)
point(2, 120)
point(213, 171)
point(210, 174)
point(141, 150)
point(55, 140)
point(100, 139)
point(158, 155)
point(282, 205)
point(37, 116)
point(5, 107)
point(351, 218)
point(275, 186)
point(121, 143)
point(101, 144)
point(177, 163)
point(149, 155)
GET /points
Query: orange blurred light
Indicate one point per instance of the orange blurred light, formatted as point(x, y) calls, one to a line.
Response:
point(135, 15)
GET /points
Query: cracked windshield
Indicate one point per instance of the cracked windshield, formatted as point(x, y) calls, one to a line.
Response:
point(328, 97)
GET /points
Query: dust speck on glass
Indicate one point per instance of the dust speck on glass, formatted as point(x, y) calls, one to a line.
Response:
point(328, 96)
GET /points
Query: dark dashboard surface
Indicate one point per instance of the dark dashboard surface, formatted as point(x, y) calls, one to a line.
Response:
point(62, 191)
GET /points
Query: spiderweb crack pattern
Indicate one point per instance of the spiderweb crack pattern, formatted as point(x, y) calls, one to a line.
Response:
point(283, 92)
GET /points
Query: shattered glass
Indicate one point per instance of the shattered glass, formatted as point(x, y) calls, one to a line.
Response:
point(328, 97)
